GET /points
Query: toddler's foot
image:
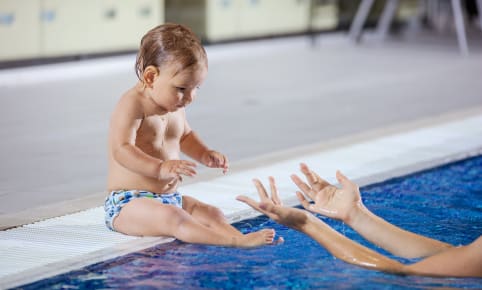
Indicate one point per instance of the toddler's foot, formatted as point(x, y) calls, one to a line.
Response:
point(259, 238)
point(279, 241)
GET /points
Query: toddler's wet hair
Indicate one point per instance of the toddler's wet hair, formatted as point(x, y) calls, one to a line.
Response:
point(170, 43)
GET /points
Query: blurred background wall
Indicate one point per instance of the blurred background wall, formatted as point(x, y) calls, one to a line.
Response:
point(33, 30)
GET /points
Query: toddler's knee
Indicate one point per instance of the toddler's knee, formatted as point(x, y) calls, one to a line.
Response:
point(216, 214)
point(178, 216)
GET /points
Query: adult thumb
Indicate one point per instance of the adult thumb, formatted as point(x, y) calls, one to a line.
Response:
point(342, 179)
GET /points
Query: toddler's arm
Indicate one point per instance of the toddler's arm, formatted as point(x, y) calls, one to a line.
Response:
point(194, 147)
point(125, 122)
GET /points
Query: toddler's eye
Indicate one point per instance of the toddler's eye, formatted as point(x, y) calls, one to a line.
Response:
point(181, 89)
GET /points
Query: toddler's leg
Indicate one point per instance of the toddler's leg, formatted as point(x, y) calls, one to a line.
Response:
point(209, 216)
point(214, 218)
point(148, 217)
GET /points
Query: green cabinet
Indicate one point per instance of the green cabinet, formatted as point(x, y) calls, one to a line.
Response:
point(218, 20)
point(19, 29)
point(56, 28)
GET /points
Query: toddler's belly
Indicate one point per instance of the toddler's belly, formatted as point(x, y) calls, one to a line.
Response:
point(135, 181)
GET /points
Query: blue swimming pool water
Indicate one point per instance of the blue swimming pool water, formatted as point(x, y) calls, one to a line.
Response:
point(444, 203)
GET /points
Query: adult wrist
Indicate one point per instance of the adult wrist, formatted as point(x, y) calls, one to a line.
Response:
point(356, 214)
point(309, 225)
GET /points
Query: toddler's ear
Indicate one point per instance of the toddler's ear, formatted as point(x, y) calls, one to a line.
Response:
point(149, 75)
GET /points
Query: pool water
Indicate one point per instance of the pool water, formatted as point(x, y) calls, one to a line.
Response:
point(444, 203)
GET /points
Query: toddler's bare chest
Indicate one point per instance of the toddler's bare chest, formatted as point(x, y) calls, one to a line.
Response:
point(156, 131)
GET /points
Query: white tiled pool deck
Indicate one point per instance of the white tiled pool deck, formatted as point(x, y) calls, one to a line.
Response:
point(60, 244)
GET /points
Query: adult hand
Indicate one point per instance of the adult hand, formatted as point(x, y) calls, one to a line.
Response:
point(273, 207)
point(330, 201)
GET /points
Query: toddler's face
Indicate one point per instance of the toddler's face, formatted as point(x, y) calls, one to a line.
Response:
point(172, 92)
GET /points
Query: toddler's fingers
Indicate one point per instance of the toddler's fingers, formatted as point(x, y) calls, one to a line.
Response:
point(225, 162)
point(188, 171)
point(213, 160)
point(219, 161)
point(188, 163)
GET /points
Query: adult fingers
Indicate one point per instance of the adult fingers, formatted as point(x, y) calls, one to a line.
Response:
point(251, 202)
point(316, 182)
point(308, 174)
point(274, 191)
point(302, 186)
point(263, 195)
point(344, 181)
point(304, 202)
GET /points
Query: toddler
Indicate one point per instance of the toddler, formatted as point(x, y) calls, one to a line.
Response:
point(148, 130)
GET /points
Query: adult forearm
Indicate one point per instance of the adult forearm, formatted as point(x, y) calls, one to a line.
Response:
point(464, 261)
point(348, 250)
point(134, 159)
point(392, 238)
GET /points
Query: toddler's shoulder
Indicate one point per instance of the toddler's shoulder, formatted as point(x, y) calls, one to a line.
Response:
point(130, 100)
point(129, 107)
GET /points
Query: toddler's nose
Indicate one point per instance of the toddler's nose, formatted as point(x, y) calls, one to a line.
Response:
point(188, 98)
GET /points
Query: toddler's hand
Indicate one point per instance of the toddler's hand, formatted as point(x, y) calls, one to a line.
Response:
point(215, 159)
point(173, 169)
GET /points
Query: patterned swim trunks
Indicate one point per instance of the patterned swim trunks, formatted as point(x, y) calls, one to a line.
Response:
point(117, 199)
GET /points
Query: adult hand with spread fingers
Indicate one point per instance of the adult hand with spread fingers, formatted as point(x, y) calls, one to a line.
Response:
point(272, 206)
point(329, 200)
point(438, 258)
